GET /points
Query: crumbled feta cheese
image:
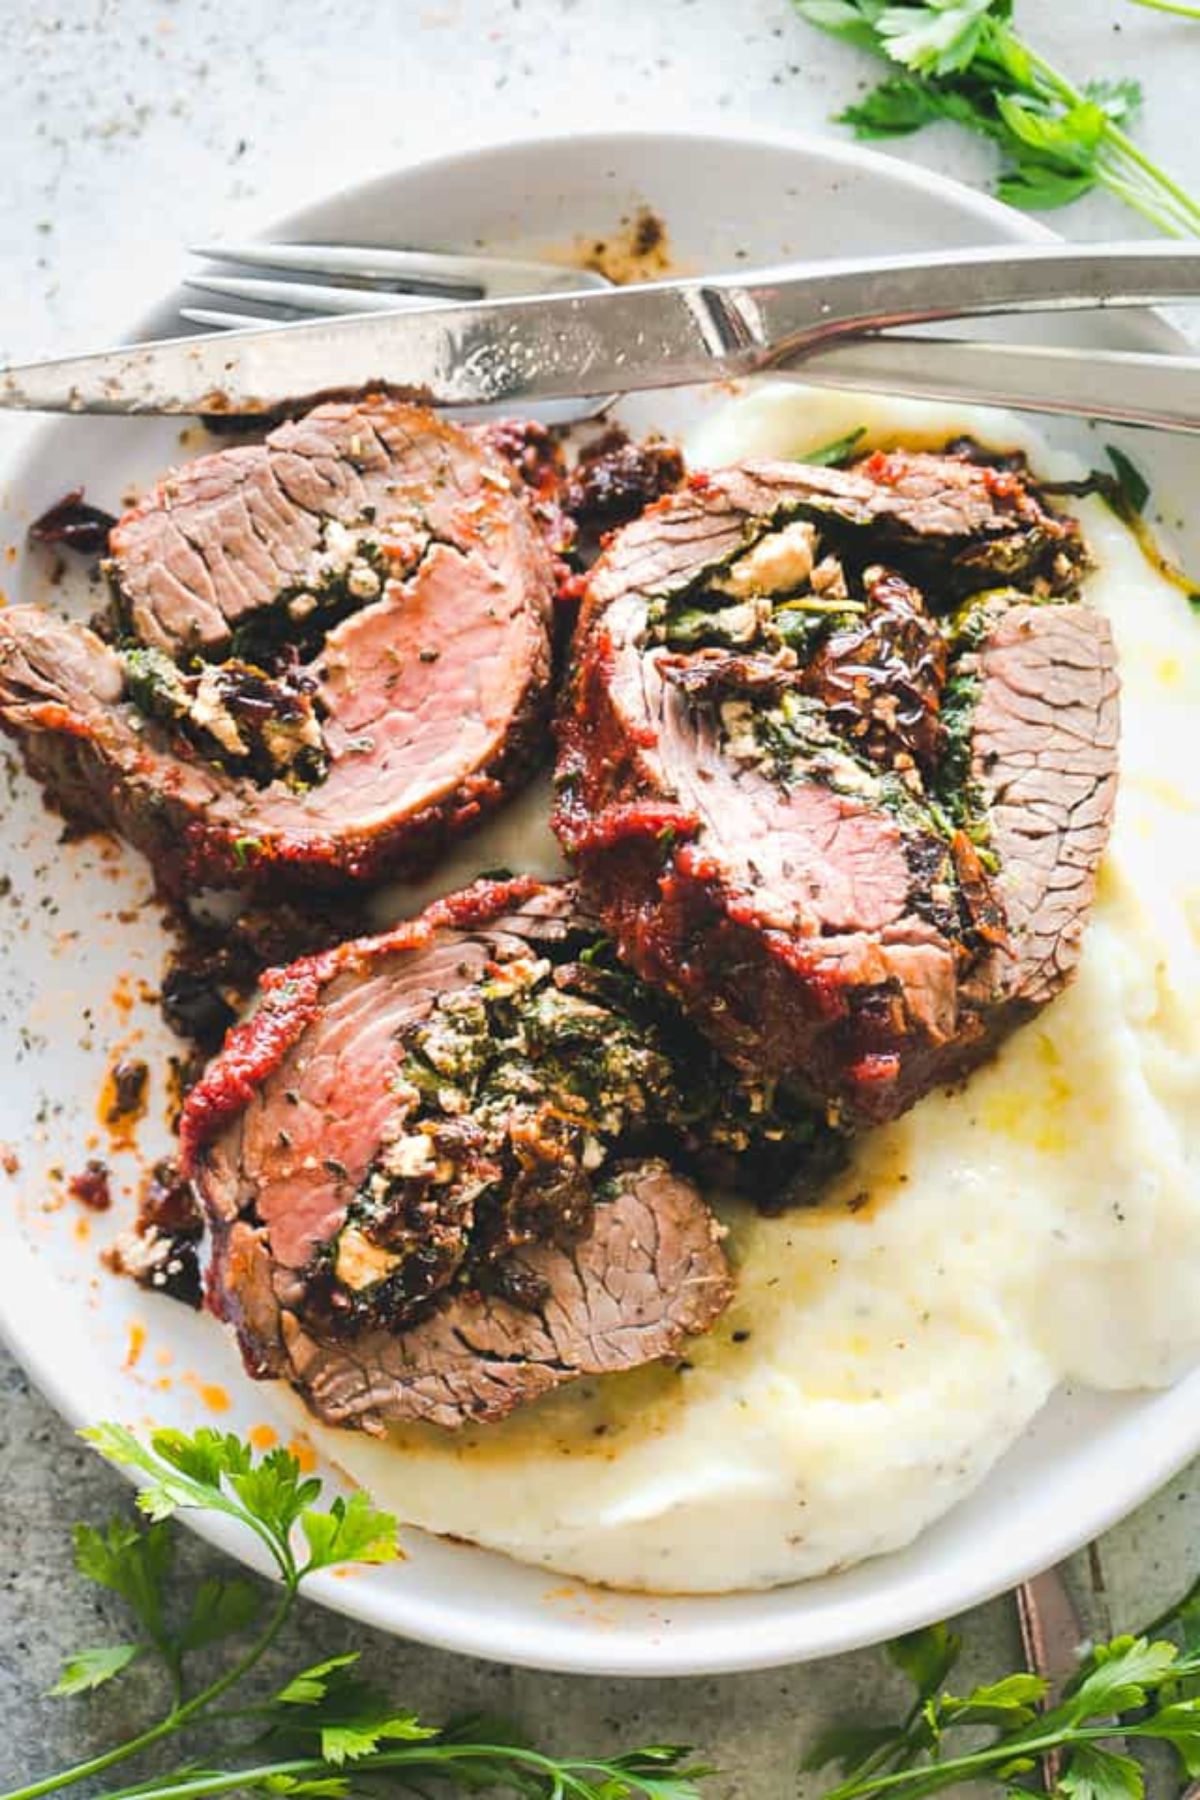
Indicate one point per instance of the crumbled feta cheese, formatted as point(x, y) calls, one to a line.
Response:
point(778, 563)
point(593, 1154)
point(845, 774)
point(338, 541)
point(740, 623)
point(522, 972)
point(829, 579)
point(284, 739)
point(209, 713)
point(363, 581)
point(737, 722)
point(407, 1157)
point(360, 1263)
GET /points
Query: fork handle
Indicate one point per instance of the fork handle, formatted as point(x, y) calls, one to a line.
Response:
point(1125, 387)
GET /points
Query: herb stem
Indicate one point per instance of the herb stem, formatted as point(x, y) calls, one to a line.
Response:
point(885, 1757)
point(567, 1778)
point(1188, 209)
point(1170, 6)
point(179, 1715)
point(1119, 140)
point(916, 1782)
point(1134, 195)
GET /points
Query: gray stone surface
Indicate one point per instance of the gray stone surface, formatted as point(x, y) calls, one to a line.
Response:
point(130, 126)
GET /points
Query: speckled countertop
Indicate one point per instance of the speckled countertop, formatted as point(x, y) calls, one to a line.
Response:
point(131, 126)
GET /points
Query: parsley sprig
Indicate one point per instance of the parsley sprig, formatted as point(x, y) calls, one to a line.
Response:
point(325, 1729)
point(1129, 1691)
point(962, 60)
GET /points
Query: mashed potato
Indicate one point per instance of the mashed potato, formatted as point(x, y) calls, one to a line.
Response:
point(884, 1349)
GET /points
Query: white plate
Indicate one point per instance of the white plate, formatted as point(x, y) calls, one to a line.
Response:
point(70, 969)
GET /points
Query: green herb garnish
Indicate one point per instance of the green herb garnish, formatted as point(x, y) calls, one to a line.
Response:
point(1126, 493)
point(325, 1729)
point(837, 451)
point(1133, 486)
point(244, 848)
point(1129, 1691)
point(962, 60)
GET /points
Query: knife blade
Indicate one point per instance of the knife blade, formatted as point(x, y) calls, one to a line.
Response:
point(663, 334)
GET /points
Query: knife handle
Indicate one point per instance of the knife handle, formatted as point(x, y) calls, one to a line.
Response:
point(786, 313)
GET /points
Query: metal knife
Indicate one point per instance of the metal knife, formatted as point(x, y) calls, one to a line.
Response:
point(667, 334)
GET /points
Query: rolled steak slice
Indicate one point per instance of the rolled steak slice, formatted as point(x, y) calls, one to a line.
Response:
point(424, 1164)
point(649, 1275)
point(831, 777)
point(332, 653)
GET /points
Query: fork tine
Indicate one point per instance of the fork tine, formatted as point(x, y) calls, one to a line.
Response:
point(408, 267)
point(223, 321)
point(471, 277)
point(305, 296)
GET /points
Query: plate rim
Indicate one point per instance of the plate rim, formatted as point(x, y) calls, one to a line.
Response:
point(714, 1646)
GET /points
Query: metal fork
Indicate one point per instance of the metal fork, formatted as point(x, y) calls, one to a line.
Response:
point(360, 280)
point(364, 280)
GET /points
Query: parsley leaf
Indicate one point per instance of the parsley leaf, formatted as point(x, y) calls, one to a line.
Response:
point(1037, 187)
point(131, 1563)
point(1011, 1702)
point(1068, 138)
point(1186, 1616)
point(1179, 1726)
point(1120, 99)
point(901, 104)
point(353, 1530)
point(352, 1738)
point(848, 1745)
point(939, 38)
point(1135, 1687)
point(221, 1607)
point(1116, 1676)
point(1097, 1774)
point(311, 1686)
point(276, 1491)
point(854, 21)
point(348, 1717)
point(89, 1669)
point(926, 1657)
